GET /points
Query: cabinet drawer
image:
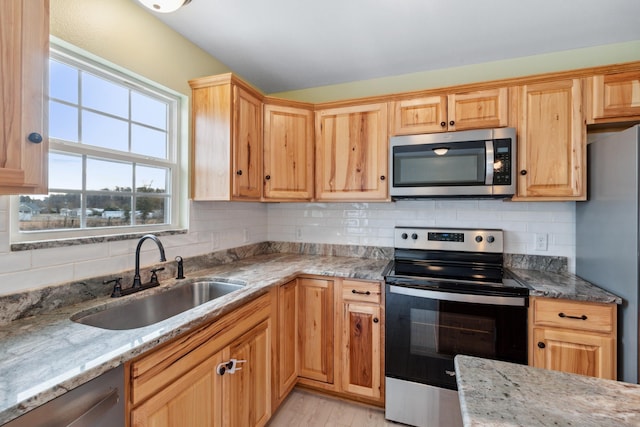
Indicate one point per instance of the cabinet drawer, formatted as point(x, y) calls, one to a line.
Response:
point(573, 315)
point(353, 290)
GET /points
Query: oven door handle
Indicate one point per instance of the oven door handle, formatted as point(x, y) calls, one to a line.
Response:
point(467, 298)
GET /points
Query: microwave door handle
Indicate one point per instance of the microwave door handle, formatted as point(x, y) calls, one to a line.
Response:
point(488, 180)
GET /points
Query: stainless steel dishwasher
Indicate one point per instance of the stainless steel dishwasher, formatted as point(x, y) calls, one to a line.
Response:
point(98, 403)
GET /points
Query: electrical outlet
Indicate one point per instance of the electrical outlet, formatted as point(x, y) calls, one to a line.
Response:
point(215, 240)
point(541, 241)
point(298, 233)
point(245, 235)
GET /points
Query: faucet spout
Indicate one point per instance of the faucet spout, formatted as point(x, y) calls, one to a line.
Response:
point(136, 278)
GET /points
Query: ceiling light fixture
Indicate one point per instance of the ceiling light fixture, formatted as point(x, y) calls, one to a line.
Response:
point(164, 6)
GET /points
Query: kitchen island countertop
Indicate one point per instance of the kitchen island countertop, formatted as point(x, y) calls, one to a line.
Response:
point(501, 394)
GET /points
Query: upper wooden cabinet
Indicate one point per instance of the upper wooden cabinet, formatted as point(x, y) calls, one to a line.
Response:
point(24, 49)
point(288, 152)
point(571, 336)
point(551, 141)
point(614, 97)
point(457, 111)
point(352, 153)
point(226, 151)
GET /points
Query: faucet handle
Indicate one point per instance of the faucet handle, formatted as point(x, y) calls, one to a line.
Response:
point(154, 276)
point(117, 287)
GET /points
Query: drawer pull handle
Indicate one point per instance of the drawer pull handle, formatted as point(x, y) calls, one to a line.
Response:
point(353, 291)
point(583, 317)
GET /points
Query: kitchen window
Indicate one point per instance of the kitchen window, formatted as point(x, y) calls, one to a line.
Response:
point(113, 154)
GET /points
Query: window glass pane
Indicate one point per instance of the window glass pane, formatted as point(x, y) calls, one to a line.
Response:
point(104, 96)
point(148, 142)
point(109, 210)
point(109, 176)
point(63, 121)
point(151, 210)
point(103, 131)
point(54, 211)
point(148, 111)
point(63, 82)
point(65, 171)
point(151, 180)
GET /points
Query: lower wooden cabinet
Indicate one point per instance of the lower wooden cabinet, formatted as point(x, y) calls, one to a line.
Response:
point(352, 312)
point(189, 381)
point(361, 358)
point(575, 337)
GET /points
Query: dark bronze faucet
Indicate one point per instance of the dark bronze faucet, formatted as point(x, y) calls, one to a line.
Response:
point(136, 278)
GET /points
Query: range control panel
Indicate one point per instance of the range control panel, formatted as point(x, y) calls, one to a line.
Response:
point(449, 239)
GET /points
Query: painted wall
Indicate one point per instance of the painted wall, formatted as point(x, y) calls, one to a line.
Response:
point(516, 67)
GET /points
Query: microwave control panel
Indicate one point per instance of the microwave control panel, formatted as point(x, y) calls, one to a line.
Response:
point(502, 162)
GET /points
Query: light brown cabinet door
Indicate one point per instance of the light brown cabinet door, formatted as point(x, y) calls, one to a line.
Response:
point(478, 110)
point(551, 141)
point(247, 145)
point(316, 328)
point(288, 153)
point(574, 352)
point(361, 344)
point(616, 95)
point(458, 111)
point(24, 53)
point(352, 153)
point(288, 362)
point(419, 115)
point(193, 400)
point(247, 392)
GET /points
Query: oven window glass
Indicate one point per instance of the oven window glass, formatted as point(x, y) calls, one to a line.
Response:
point(435, 165)
point(423, 335)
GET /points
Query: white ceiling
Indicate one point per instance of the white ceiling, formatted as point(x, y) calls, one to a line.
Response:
point(280, 45)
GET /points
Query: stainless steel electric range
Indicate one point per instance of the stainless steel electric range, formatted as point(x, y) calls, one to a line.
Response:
point(447, 294)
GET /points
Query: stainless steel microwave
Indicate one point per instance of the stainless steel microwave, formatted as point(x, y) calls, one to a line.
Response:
point(476, 163)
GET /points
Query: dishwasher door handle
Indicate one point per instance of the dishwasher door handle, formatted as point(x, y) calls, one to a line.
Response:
point(97, 411)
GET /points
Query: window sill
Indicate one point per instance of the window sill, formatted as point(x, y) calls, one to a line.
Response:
point(60, 243)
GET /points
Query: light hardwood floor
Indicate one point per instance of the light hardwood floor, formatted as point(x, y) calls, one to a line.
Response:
point(303, 408)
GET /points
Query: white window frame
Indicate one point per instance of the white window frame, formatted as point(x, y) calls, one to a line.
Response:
point(176, 155)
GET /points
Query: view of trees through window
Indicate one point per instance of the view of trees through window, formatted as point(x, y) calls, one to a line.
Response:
point(111, 154)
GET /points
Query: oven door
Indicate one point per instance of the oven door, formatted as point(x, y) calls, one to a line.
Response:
point(425, 329)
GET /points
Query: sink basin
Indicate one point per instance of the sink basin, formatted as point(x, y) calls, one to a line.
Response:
point(154, 308)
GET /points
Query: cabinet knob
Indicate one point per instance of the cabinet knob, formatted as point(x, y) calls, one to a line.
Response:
point(451, 123)
point(443, 124)
point(35, 137)
point(239, 172)
point(268, 177)
point(541, 344)
point(382, 177)
point(523, 172)
point(375, 320)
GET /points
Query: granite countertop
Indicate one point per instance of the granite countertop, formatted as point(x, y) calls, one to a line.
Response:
point(45, 355)
point(494, 393)
point(552, 284)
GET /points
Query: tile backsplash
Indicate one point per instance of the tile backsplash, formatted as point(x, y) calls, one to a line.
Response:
point(215, 226)
point(371, 224)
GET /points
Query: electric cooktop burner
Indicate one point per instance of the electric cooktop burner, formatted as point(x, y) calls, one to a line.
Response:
point(456, 260)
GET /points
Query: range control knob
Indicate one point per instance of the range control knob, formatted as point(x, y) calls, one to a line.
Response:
point(478, 239)
point(404, 236)
point(491, 239)
point(414, 236)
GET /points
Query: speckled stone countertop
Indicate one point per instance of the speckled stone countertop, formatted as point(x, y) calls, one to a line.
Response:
point(43, 356)
point(501, 394)
point(562, 285)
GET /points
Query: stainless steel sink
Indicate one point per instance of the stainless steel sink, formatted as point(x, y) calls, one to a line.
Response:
point(156, 307)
